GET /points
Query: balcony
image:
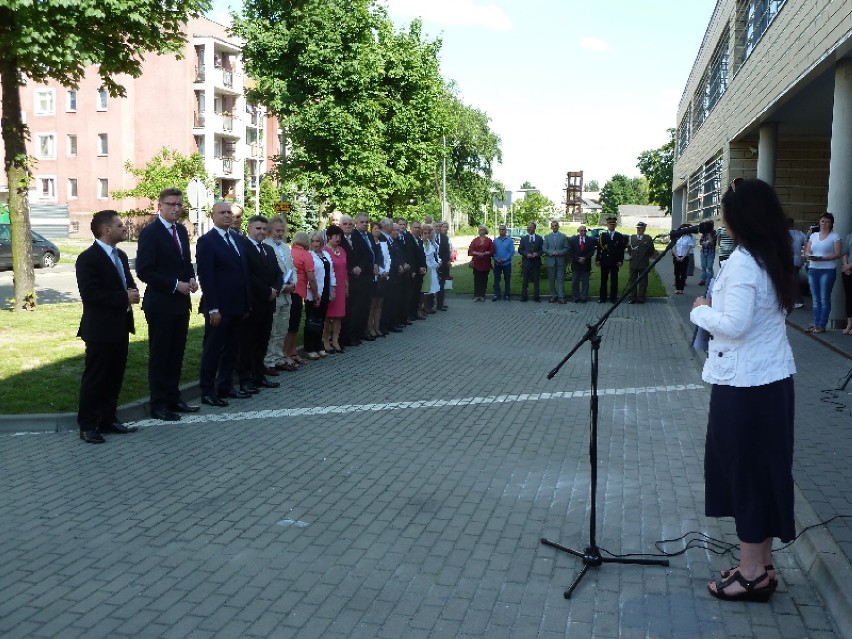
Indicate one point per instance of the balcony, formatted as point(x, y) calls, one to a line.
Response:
point(228, 78)
point(198, 120)
point(227, 166)
point(256, 150)
point(200, 73)
point(227, 122)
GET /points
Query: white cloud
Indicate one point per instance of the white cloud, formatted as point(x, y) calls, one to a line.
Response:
point(452, 12)
point(593, 44)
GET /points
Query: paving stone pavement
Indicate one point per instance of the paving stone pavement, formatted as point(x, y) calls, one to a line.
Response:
point(398, 490)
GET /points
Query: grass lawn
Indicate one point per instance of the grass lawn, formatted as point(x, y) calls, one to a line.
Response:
point(463, 281)
point(43, 359)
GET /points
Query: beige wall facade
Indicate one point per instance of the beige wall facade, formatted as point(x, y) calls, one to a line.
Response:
point(785, 84)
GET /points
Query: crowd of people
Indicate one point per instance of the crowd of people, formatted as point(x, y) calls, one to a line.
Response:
point(355, 281)
point(555, 250)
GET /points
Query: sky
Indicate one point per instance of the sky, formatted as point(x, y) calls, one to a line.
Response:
point(569, 85)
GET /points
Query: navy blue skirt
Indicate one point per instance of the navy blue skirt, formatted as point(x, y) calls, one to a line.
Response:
point(748, 460)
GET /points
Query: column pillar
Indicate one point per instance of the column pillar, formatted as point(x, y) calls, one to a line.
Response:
point(840, 175)
point(678, 206)
point(767, 151)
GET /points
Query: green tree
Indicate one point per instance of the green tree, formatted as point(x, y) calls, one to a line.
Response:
point(621, 189)
point(167, 169)
point(657, 165)
point(358, 98)
point(535, 207)
point(58, 40)
point(592, 186)
point(527, 185)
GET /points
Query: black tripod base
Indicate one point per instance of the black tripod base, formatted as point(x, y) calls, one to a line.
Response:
point(591, 557)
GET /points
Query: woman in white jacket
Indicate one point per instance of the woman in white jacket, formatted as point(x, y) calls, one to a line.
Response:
point(749, 450)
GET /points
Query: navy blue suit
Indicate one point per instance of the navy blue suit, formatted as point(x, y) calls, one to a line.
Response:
point(264, 275)
point(530, 266)
point(224, 280)
point(105, 326)
point(161, 266)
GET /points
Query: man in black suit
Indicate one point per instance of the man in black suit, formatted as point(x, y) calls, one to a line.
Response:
point(610, 257)
point(265, 283)
point(108, 291)
point(417, 257)
point(530, 251)
point(582, 252)
point(444, 255)
point(164, 263)
point(360, 262)
point(396, 278)
point(223, 274)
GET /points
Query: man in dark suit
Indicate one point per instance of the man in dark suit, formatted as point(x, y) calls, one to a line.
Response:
point(265, 283)
point(417, 257)
point(164, 263)
point(223, 275)
point(107, 290)
point(445, 255)
point(360, 263)
point(582, 251)
point(530, 251)
point(396, 278)
point(609, 258)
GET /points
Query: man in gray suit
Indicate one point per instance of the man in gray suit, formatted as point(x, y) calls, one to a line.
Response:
point(555, 248)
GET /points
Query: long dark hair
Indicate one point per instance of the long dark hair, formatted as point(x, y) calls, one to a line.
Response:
point(755, 216)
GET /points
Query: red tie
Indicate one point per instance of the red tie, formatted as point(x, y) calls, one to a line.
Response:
point(177, 241)
point(582, 243)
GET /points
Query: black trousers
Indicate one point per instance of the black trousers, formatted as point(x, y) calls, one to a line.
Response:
point(680, 269)
point(217, 356)
point(254, 338)
point(530, 269)
point(480, 283)
point(100, 385)
point(166, 346)
point(609, 276)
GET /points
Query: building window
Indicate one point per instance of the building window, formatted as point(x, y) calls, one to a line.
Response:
point(713, 83)
point(102, 99)
point(72, 145)
point(103, 144)
point(45, 187)
point(46, 146)
point(72, 188)
point(45, 102)
point(71, 101)
point(683, 132)
point(705, 191)
point(103, 188)
point(756, 17)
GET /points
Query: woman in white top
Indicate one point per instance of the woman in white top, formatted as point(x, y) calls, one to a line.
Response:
point(748, 462)
point(431, 285)
point(823, 254)
point(317, 302)
point(383, 260)
point(680, 255)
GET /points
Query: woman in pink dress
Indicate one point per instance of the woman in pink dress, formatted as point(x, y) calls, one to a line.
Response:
point(337, 306)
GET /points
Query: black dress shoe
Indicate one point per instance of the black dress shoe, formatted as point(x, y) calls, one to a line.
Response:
point(407, 323)
point(183, 407)
point(212, 400)
point(164, 414)
point(265, 383)
point(118, 428)
point(235, 394)
point(91, 437)
point(394, 329)
point(368, 338)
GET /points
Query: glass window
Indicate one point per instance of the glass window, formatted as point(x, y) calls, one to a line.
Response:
point(72, 188)
point(705, 191)
point(72, 145)
point(103, 144)
point(46, 187)
point(756, 17)
point(71, 101)
point(46, 146)
point(713, 83)
point(45, 102)
point(102, 99)
point(103, 188)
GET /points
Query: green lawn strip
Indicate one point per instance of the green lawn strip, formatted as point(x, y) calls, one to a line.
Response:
point(44, 359)
point(463, 281)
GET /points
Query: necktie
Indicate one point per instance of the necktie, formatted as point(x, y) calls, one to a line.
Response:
point(582, 242)
point(119, 267)
point(175, 237)
point(230, 243)
point(369, 245)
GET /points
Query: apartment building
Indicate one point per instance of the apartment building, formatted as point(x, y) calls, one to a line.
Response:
point(770, 96)
point(82, 138)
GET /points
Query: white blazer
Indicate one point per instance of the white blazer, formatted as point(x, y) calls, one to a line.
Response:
point(749, 344)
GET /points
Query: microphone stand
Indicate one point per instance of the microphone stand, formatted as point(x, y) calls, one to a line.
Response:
point(591, 556)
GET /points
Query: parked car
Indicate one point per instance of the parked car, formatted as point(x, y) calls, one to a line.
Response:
point(45, 252)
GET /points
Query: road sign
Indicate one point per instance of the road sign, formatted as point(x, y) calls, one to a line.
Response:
point(283, 207)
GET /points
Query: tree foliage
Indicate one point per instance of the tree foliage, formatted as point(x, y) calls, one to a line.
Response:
point(59, 40)
point(535, 207)
point(167, 169)
point(657, 165)
point(592, 186)
point(621, 189)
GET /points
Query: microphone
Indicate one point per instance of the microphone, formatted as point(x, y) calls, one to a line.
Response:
point(704, 227)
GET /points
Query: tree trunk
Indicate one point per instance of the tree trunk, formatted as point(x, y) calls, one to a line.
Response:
point(19, 178)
